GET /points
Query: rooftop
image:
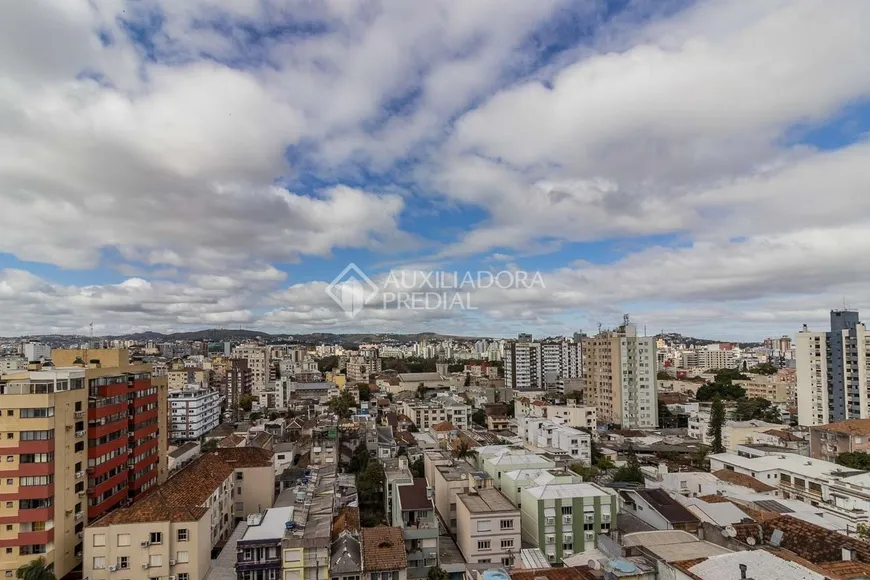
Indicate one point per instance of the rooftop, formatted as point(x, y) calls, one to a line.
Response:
point(415, 496)
point(858, 427)
point(243, 457)
point(760, 564)
point(565, 490)
point(486, 500)
point(668, 507)
point(420, 377)
point(743, 479)
point(181, 450)
point(269, 525)
point(801, 465)
point(383, 549)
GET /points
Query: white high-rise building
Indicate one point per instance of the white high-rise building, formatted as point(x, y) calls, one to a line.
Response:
point(538, 365)
point(193, 412)
point(258, 362)
point(34, 351)
point(831, 370)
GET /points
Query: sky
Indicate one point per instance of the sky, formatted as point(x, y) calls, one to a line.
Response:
point(702, 166)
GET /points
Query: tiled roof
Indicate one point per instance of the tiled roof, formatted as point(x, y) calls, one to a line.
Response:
point(565, 573)
point(233, 440)
point(743, 480)
point(346, 520)
point(714, 499)
point(383, 549)
point(784, 435)
point(846, 570)
point(813, 542)
point(849, 427)
point(415, 496)
point(444, 427)
point(179, 499)
point(241, 457)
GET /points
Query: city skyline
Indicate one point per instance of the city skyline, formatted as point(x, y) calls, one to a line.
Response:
point(698, 165)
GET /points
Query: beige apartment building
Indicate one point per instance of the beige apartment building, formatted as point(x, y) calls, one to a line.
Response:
point(488, 527)
point(258, 361)
point(450, 477)
point(575, 416)
point(778, 388)
point(43, 501)
point(169, 532)
point(181, 378)
point(253, 477)
point(828, 441)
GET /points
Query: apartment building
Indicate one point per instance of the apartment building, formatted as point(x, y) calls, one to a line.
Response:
point(488, 530)
point(426, 414)
point(383, 554)
point(513, 482)
point(363, 364)
point(530, 365)
point(9, 364)
point(832, 371)
point(43, 474)
point(193, 412)
point(734, 433)
point(778, 388)
point(566, 519)
point(842, 492)
point(500, 463)
point(619, 374)
point(307, 544)
point(239, 381)
point(253, 476)
point(258, 551)
point(450, 477)
point(548, 435)
point(828, 441)
point(169, 532)
point(36, 351)
point(178, 379)
point(259, 363)
point(414, 512)
point(576, 416)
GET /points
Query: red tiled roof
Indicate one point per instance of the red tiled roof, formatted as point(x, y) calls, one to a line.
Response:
point(444, 427)
point(813, 542)
point(847, 570)
point(242, 457)
point(849, 427)
point(383, 549)
point(743, 480)
point(231, 441)
point(346, 520)
point(566, 573)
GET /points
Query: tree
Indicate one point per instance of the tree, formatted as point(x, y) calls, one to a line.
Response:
point(209, 445)
point(587, 472)
point(369, 483)
point(699, 459)
point(479, 417)
point(630, 472)
point(664, 376)
point(365, 393)
point(855, 460)
point(437, 573)
point(327, 364)
point(717, 421)
point(342, 404)
point(756, 408)
point(360, 459)
point(421, 391)
point(412, 428)
point(417, 468)
point(465, 450)
point(727, 391)
point(666, 418)
point(763, 369)
point(35, 570)
point(467, 383)
point(256, 416)
point(246, 402)
point(273, 416)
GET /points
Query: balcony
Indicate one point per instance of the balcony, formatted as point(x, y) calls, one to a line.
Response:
point(29, 538)
point(35, 515)
point(35, 491)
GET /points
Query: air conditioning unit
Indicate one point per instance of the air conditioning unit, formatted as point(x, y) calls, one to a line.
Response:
point(145, 566)
point(145, 544)
point(82, 494)
point(80, 433)
point(112, 568)
point(80, 535)
point(80, 474)
point(173, 577)
point(172, 562)
point(567, 519)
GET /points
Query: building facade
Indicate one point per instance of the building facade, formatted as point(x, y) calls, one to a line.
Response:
point(193, 412)
point(488, 527)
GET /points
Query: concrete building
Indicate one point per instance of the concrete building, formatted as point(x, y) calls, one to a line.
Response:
point(253, 478)
point(193, 412)
point(239, 381)
point(778, 388)
point(258, 551)
point(828, 441)
point(500, 463)
point(532, 365)
point(184, 377)
point(619, 373)
point(426, 414)
point(547, 435)
point(259, 364)
point(513, 482)
point(832, 371)
point(564, 519)
point(169, 532)
point(306, 545)
point(362, 364)
point(576, 416)
point(384, 556)
point(414, 512)
point(36, 351)
point(44, 446)
point(450, 477)
point(488, 530)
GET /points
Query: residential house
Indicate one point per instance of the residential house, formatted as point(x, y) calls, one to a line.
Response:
point(450, 477)
point(658, 509)
point(488, 527)
point(548, 435)
point(414, 511)
point(829, 441)
point(258, 551)
point(383, 554)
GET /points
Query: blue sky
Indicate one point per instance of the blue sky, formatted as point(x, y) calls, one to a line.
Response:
point(698, 165)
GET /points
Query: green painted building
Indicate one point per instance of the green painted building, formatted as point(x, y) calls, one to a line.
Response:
point(564, 519)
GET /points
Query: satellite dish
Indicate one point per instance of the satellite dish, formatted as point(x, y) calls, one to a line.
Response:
point(594, 564)
point(750, 540)
point(730, 532)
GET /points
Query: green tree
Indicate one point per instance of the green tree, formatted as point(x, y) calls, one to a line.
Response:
point(412, 428)
point(855, 460)
point(360, 459)
point(35, 570)
point(664, 376)
point(209, 445)
point(256, 416)
point(327, 363)
point(587, 472)
point(465, 450)
point(437, 573)
point(630, 472)
point(717, 421)
point(764, 369)
point(417, 468)
point(273, 416)
point(699, 459)
point(246, 402)
point(370, 483)
point(342, 404)
point(365, 393)
point(667, 420)
point(421, 391)
point(479, 417)
point(727, 391)
point(756, 408)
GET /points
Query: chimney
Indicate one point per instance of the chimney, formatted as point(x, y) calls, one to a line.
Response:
point(742, 571)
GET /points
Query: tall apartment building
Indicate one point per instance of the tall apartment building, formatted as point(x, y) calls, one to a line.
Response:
point(259, 364)
point(193, 412)
point(36, 351)
point(832, 377)
point(537, 365)
point(240, 381)
point(125, 444)
point(366, 362)
point(43, 472)
point(181, 378)
point(619, 377)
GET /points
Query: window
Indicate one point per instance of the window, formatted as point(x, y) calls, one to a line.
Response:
point(124, 561)
point(240, 506)
point(239, 476)
point(182, 535)
point(123, 539)
point(484, 526)
point(184, 576)
point(507, 543)
point(483, 545)
point(566, 510)
point(506, 524)
point(99, 562)
point(155, 560)
point(182, 557)
point(156, 537)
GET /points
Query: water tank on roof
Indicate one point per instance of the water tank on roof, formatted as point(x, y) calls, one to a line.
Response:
point(623, 566)
point(495, 575)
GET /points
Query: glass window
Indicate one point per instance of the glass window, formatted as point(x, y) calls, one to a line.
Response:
point(182, 557)
point(99, 562)
point(123, 539)
point(155, 560)
point(182, 535)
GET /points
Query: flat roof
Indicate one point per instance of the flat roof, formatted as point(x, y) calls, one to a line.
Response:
point(759, 564)
point(485, 501)
point(566, 490)
point(787, 462)
point(271, 527)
